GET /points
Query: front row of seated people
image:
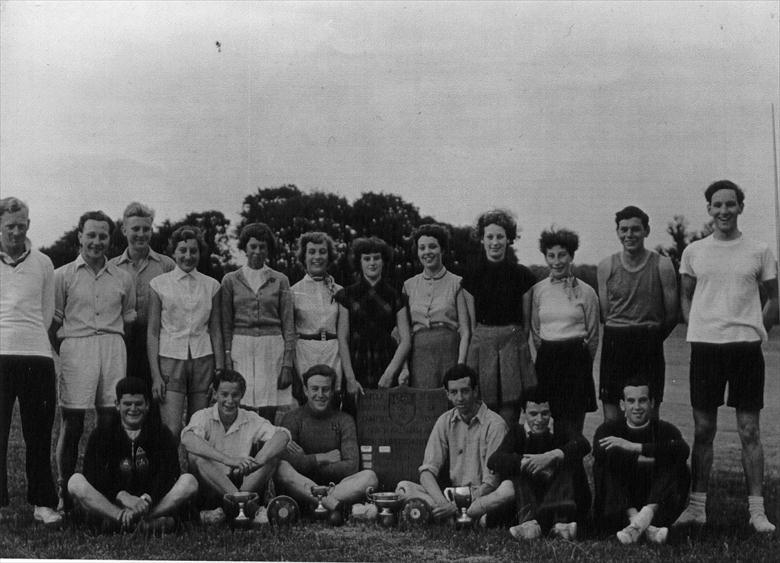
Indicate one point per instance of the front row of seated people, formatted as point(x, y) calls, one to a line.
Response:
point(528, 476)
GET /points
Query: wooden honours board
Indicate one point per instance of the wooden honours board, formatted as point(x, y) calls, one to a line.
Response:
point(393, 428)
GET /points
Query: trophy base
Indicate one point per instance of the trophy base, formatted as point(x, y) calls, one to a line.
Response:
point(283, 511)
point(416, 512)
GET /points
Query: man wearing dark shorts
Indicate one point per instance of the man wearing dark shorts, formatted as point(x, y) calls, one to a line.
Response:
point(639, 302)
point(721, 276)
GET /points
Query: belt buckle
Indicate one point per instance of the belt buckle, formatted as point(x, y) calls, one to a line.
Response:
point(323, 335)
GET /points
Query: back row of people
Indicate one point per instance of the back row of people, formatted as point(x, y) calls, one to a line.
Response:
point(256, 324)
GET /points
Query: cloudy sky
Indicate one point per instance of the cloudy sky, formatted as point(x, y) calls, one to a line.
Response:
point(562, 112)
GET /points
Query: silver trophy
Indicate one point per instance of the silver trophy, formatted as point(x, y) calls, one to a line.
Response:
point(461, 496)
point(320, 492)
point(388, 502)
point(240, 508)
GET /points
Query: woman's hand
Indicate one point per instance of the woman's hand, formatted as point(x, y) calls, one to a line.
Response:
point(285, 378)
point(354, 387)
point(158, 389)
point(403, 376)
point(386, 381)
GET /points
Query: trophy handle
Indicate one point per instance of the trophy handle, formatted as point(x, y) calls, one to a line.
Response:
point(449, 494)
point(369, 494)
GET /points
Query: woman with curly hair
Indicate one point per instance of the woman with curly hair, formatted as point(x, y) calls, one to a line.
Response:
point(257, 324)
point(184, 338)
point(369, 312)
point(437, 306)
point(316, 311)
point(498, 296)
point(565, 328)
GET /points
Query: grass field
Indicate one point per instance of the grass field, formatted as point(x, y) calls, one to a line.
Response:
point(727, 537)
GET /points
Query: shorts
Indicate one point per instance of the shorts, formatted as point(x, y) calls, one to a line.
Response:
point(565, 373)
point(740, 364)
point(91, 367)
point(628, 352)
point(189, 376)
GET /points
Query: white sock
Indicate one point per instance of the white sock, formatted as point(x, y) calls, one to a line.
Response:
point(697, 503)
point(758, 518)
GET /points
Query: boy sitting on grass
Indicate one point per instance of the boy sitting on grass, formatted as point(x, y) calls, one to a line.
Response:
point(131, 469)
point(231, 449)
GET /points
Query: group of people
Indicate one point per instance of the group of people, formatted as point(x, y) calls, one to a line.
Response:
point(149, 337)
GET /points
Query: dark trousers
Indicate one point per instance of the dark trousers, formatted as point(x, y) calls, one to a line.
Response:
point(564, 497)
point(31, 380)
point(620, 487)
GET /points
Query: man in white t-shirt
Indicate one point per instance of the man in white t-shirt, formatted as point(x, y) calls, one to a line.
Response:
point(721, 279)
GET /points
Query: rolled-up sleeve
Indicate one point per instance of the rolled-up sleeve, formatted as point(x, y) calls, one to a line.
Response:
point(436, 450)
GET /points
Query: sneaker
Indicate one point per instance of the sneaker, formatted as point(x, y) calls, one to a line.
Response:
point(657, 535)
point(761, 524)
point(526, 531)
point(47, 516)
point(212, 517)
point(261, 517)
point(691, 517)
point(629, 534)
point(565, 530)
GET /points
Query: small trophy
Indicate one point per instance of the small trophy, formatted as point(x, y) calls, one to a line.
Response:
point(388, 502)
point(320, 492)
point(461, 496)
point(246, 502)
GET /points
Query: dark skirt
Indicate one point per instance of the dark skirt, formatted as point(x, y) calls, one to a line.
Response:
point(565, 373)
point(434, 351)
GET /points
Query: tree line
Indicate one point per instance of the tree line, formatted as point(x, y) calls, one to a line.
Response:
point(289, 212)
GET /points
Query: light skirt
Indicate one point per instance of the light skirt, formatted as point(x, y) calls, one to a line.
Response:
point(259, 360)
point(309, 353)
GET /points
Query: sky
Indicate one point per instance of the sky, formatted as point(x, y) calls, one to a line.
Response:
point(562, 112)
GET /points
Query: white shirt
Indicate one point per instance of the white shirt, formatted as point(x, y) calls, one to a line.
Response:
point(186, 300)
point(26, 304)
point(726, 306)
point(315, 306)
point(247, 429)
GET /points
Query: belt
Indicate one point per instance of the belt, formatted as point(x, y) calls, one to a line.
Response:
point(434, 325)
point(321, 335)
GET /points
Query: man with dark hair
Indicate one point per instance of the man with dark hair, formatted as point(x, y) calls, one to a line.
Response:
point(131, 468)
point(231, 449)
point(26, 364)
point(639, 471)
point(94, 306)
point(323, 449)
point(462, 440)
point(546, 472)
point(721, 279)
point(143, 264)
point(639, 302)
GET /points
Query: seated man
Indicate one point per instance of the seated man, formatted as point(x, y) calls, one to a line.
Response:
point(131, 468)
point(639, 470)
point(231, 449)
point(462, 439)
point(323, 449)
point(545, 468)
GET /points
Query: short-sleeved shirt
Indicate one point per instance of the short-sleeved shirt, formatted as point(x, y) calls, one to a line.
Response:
point(315, 305)
point(152, 266)
point(726, 306)
point(466, 447)
point(433, 300)
point(498, 290)
point(87, 303)
point(186, 299)
point(26, 303)
point(247, 430)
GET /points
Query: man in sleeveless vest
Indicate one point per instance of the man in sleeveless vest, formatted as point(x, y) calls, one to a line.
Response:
point(639, 303)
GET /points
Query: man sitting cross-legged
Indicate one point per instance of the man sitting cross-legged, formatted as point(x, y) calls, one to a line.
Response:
point(323, 449)
point(231, 449)
point(545, 468)
point(639, 470)
point(462, 440)
point(131, 468)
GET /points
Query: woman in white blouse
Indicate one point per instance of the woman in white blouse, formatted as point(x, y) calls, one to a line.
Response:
point(565, 328)
point(315, 308)
point(184, 338)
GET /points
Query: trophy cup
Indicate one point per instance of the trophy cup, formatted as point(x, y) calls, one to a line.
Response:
point(461, 496)
point(320, 492)
point(240, 508)
point(388, 502)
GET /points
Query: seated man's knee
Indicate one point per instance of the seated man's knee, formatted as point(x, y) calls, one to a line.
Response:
point(505, 490)
point(369, 478)
point(188, 483)
point(77, 485)
point(285, 473)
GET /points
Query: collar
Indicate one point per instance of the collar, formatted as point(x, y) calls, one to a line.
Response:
point(81, 263)
point(308, 278)
point(10, 261)
point(125, 256)
point(441, 274)
point(530, 433)
point(240, 418)
point(632, 427)
point(479, 416)
point(180, 274)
